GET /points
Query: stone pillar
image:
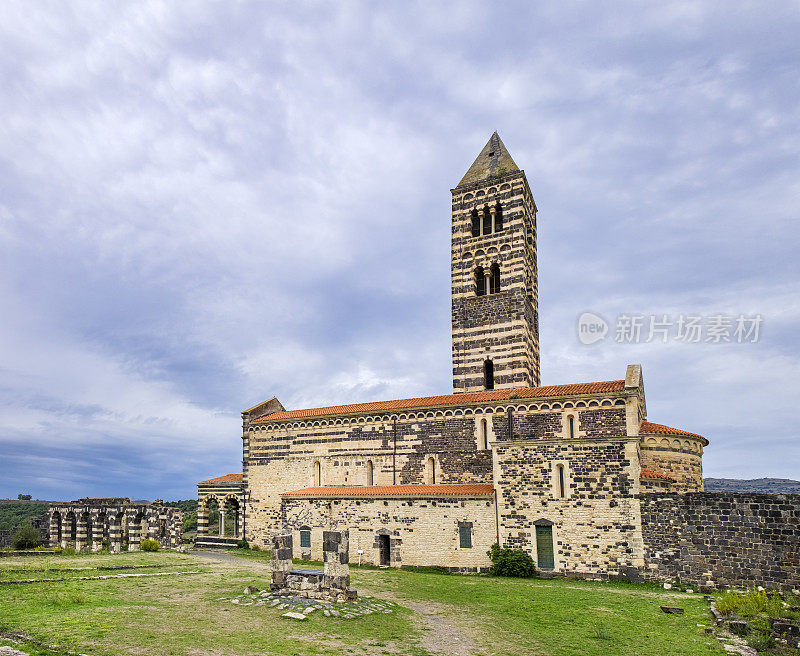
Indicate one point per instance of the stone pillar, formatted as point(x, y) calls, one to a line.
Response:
point(281, 558)
point(80, 533)
point(115, 534)
point(55, 529)
point(97, 532)
point(335, 551)
point(135, 535)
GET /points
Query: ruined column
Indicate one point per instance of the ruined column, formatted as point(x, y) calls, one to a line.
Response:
point(281, 558)
point(80, 533)
point(115, 534)
point(55, 529)
point(335, 549)
point(97, 532)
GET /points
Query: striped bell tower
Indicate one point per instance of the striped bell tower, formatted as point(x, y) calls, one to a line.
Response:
point(494, 284)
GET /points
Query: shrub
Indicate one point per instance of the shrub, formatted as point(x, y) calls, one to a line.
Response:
point(26, 537)
point(242, 544)
point(41, 547)
point(761, 641)
point(149, 545)
point(68, 551)
point(255, 547)
point(750, 604)
point(511, 562)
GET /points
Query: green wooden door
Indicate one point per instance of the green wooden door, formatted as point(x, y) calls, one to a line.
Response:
point(544, 547)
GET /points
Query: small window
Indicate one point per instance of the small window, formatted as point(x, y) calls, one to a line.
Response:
point(561, 487)
point(571, 422)
point(317, 474)
point(487, 220)
point(483, 443)
point(476, 223)
point(465, 537)
point(480, 282)
point(430, 472)
point(305, 538)
point(370, 473)
point(498, 218)
point(488, 375)
point(494, 280)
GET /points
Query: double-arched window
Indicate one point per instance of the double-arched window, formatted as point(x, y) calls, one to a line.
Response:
point(490, 286)
point(487, 220)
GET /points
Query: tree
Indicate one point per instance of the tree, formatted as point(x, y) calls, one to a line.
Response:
point(24, 497)
point(26, 537)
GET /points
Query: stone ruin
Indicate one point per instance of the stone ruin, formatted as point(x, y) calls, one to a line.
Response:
point(122, 524)
point(331, 584)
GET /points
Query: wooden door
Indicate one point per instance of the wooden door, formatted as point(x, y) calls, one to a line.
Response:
point(544, 547)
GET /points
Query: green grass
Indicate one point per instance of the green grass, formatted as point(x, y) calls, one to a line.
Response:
point(184, 615)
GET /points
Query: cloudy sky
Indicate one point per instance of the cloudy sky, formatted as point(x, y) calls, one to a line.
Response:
point(203, 205)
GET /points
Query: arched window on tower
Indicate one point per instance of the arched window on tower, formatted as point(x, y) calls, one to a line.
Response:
point(498, 217)
point(476, 223)
point(494, 280)
point(370, 473)
point(483, 442)
point(480, 282)
point(571, 421)
point(317, 474)
point(487, 220)
point(562, 492)
point(488, 375)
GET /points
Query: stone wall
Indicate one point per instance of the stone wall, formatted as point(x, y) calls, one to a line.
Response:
point(596, 524)
point(722, 539)
point(419, 531)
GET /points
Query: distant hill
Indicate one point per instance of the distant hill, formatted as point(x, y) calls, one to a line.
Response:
point(764, 485)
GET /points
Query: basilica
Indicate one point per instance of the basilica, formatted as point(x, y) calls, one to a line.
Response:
point(560, 471)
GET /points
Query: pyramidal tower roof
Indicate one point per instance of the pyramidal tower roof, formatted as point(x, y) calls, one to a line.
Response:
point(493, 160)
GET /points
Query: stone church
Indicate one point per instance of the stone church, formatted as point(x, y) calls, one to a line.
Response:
point(558, 470)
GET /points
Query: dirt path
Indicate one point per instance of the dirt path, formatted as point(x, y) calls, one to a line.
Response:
point(440, 635)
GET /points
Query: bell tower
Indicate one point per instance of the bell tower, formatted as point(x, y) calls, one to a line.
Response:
point(494, 282)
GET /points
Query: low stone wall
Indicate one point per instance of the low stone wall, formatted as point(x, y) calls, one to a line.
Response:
point(722, 539)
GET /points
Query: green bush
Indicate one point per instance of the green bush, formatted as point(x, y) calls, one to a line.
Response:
point(750, 604)
point(242, 544)
point(511, 562)
point(26, 537)
point(68, 551)
point(761, 641)
point(255, 547)
point(149, 545)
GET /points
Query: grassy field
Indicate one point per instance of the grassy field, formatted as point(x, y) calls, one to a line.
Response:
point(186, 615)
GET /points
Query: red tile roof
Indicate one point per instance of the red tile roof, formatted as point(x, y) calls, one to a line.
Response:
point(649, 427)
point(649, 473)
point(451, 399)
point(469, 489)
point(228, 478)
